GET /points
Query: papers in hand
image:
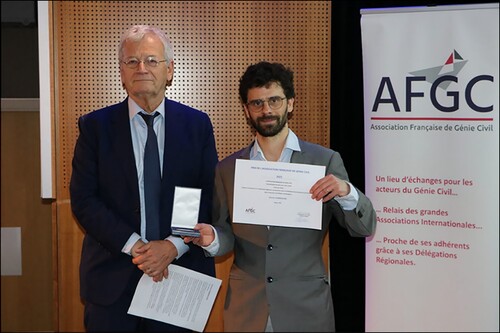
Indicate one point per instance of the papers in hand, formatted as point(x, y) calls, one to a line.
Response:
point(185, 211)
point(184, 299)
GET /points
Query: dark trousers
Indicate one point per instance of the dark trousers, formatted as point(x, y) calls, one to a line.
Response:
point(114, 318)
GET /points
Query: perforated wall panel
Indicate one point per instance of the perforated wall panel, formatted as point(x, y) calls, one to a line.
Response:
point(214, 42)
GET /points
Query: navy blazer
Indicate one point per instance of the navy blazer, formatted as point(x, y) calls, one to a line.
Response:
point(105, 194)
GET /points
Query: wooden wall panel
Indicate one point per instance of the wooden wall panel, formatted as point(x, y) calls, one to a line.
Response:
point(26, 299)
point(214, 42)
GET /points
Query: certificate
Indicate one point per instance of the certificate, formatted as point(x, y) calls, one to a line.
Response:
point(276, 194)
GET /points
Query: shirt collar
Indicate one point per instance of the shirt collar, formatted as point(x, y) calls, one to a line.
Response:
point(292, 143)
point(134, 109)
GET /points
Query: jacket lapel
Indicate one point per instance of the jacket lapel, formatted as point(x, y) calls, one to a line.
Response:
point(121, 139)
point(299, 156)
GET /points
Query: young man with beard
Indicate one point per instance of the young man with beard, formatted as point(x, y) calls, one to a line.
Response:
point(278, 281)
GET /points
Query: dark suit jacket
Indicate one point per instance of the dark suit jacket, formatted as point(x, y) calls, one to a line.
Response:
point(280, 270)
point(105, 194)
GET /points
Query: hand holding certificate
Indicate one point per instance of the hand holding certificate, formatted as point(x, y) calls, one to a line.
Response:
point(276, 194)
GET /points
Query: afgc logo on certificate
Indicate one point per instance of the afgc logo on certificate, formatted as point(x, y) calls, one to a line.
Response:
point(276, 194)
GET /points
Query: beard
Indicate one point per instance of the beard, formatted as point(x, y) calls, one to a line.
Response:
point(269, 130)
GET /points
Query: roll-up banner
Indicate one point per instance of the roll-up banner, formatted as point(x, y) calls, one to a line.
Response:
point(431, 99)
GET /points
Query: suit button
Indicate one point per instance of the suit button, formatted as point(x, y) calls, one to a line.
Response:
point(270, 247)
point(269, 279)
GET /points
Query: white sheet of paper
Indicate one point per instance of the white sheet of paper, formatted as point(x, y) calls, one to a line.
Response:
point(184, 299)
point(186, 207)
point(276, 194)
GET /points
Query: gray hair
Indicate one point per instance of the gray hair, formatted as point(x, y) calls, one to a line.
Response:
point(137, 32)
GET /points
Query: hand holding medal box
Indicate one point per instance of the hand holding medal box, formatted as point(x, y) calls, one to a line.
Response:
point(185, 211)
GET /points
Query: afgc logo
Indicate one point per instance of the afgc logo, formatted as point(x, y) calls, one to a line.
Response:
point(440, 77)
point(451, 67)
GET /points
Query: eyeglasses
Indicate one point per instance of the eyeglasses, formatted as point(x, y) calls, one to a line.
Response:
point(274, 103)
point(150, 62)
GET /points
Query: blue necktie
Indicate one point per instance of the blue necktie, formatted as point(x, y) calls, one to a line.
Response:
point(152, 180)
